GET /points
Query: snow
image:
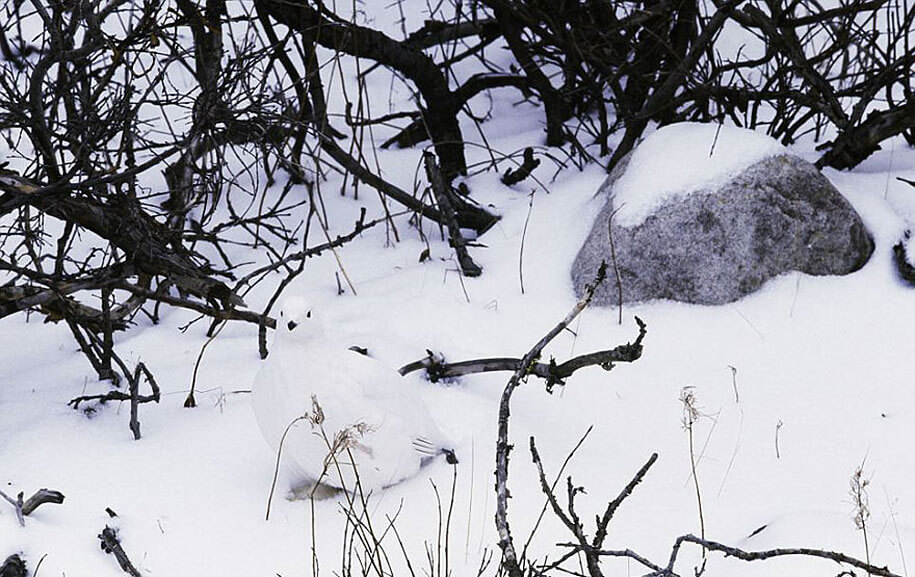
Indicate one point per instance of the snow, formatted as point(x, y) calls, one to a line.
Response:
point(680, 159)
point(825, 356)
point(822, 385)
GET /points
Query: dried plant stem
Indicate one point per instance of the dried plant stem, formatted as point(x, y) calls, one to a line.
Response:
point(778, 427)
point(691, 415)
point(734, 383)
point(276, 467)
point(191, 402)
point(552, 488)
point(616, 268)
point(858, 492)
point(527, 220)
point(763, 555)
point(692, 464)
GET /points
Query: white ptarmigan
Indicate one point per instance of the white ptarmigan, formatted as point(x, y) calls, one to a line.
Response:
point(345, 416)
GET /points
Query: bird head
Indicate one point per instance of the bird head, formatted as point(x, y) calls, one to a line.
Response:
point(298, 320)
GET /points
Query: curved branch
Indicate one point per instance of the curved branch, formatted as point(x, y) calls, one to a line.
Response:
point(856, 143)
point(768, 554)
point(441, 104)
point(436, 369)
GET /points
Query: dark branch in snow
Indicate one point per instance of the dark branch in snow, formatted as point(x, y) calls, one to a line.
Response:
point(124, 223)
point(510, 560)
point(515, 175)
point(113, 396)
point(133, 395)
point(901, 258)
point(438, 117)
point(856, 143)
point(110, 543)
point(554, 374)
point(339, 35)
point(444, 197)
point(569, 516)
point(593, 551)
point(41, 497)
point(416, 131)
point(25, 508)
point(762, 555)
point(13, 566)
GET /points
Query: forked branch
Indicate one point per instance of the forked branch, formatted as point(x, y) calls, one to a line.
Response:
point(554, 374)
point(510, 559)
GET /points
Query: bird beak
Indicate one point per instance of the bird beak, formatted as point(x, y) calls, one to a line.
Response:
point(291, 325)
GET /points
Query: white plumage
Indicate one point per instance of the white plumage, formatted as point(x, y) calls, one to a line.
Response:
point(344, 415)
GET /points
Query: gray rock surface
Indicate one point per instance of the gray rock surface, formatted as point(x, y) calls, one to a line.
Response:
point(713, 247)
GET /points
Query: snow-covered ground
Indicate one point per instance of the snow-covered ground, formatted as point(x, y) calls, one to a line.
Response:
point(798, 385)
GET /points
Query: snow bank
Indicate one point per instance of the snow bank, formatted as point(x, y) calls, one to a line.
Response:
point(679, 159)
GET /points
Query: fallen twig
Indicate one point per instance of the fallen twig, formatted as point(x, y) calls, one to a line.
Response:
point(516, 175)
point(111, 544)
point(114, 396)
point(41, 497)
point(901, 259)
point(768, 554)
point(13, 566)
point(25, 508)
point(572, 522)
point(554, 374)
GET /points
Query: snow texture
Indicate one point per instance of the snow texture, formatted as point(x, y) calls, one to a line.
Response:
point(683, 158)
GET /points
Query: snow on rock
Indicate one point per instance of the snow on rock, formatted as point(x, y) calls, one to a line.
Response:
point(780, 214)
point(679, 159)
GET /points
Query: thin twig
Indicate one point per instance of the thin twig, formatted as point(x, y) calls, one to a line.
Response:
point(191, 402)
point(527, 219)
point(276, 467)
point(510, 559)
point(769, 554)
point(616, 268)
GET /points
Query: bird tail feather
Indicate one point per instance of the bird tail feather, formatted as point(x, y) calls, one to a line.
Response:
point(429, 450)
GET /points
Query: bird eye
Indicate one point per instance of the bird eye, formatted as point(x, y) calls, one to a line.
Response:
point(308, 315)
point(292, 324)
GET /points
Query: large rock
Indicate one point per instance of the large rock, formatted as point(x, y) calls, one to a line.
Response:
point(715, 246)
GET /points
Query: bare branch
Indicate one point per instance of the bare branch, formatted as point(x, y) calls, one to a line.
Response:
point(554, 374)
point(442, 191)
point(510, 560)
point(769, 554)
point(110, 543)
